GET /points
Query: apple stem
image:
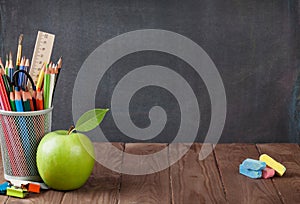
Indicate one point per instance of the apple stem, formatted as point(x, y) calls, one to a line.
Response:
point(71, 129)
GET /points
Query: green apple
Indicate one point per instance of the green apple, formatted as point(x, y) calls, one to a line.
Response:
point(65, 159)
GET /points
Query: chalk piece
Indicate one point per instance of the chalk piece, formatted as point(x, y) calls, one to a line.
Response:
point(16, 192)
point(279, 168)
point(3, 187)
point(268, 173)
point(250, 173)
point(253, 164)
point(34, 188)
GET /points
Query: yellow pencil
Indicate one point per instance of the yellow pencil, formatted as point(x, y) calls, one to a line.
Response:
point(41, 78)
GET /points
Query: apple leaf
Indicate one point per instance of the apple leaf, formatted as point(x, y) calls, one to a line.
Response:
point(90, 120)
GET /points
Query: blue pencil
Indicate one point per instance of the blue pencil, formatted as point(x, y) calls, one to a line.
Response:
point(18, 100)
point(23, 128)
point(10, 68)
point(21, 74)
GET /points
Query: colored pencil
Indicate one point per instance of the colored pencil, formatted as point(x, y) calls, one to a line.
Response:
point(5, 80)
point(3, 96)
point(52, 84)
point(29, 98)
point(26, 68)
point(26, 102)
point(12, 100)
point(10, 68)
point(39, 100)
point(33, 94)
point(18, 100)
point(21, 74)
point(6, 65)
point(1, 64)
point(47, 87)
point(9, 132)
point(57, 72)
point(39, 83)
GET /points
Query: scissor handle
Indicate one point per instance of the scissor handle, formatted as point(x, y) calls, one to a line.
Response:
point(15, 80)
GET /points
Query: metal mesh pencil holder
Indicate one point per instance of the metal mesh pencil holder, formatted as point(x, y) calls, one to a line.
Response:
point(20, 134)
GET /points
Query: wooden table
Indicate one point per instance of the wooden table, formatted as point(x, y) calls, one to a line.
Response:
point(213, 180)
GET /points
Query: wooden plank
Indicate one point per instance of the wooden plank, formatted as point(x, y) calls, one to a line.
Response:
point(103, 185)
point(150, 188)
point(288, 185)
point(239, 188)
point(48, 196)
point(192, 180)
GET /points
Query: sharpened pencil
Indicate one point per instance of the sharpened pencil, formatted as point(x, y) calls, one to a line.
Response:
point(10, 68)
point(12, 100)
point(26, 103)
point(18, 100)
point(6, 65)
point(39, 100)
point(47, 87)
point(39, 83)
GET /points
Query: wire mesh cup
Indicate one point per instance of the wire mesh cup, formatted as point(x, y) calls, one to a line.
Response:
point(20, 134)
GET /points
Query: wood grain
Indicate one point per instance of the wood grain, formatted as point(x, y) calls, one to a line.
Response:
point(151, 188)
point(195, 181)
point(187, 181)
point(288, 185)
point(103, 185)
point(48, 197)
point(239, 188)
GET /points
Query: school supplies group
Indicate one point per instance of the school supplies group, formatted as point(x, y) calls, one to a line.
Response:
point(265, 167)
point(29, 88)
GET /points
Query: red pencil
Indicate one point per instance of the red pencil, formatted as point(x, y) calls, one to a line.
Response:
point(3, 96)
point(29, 98)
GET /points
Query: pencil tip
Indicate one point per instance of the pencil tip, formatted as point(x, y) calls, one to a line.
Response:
point(20, 39)
point(59, 63)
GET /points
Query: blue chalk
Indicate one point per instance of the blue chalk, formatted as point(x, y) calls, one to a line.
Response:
point(3, 187)
point(250, 173)
point(253, 164)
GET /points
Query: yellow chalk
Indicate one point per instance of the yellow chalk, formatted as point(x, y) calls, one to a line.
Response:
point(279, 168)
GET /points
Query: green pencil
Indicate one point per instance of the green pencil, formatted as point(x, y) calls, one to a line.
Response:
point(26, 103)
point(12, 101)
point(46, 87)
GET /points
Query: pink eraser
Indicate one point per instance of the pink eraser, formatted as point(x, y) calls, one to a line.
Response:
point(268, 173)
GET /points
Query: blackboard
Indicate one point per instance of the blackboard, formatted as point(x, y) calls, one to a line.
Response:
point(253, 44)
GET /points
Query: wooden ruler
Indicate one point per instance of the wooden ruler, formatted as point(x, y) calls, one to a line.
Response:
point(41, 54)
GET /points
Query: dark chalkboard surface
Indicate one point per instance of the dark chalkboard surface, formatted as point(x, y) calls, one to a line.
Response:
point(253, 44)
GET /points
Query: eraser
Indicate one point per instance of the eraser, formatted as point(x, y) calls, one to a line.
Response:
point(250, 173)
point(16, 192)
point(253, 164)
point(268, 173)
point(279, 168)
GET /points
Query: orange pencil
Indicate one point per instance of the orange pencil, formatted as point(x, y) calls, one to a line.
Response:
point(33, 96)
point(39, 100)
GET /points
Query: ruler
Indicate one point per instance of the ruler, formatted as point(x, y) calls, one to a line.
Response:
point(41, 54)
